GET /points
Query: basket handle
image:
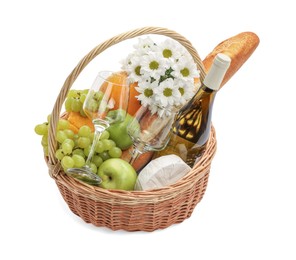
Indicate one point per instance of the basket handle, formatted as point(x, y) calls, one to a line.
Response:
point(52, 144)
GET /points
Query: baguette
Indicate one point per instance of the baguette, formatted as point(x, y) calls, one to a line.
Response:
point(239, 48)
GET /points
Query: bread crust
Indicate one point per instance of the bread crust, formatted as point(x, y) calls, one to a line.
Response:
point(239, 48)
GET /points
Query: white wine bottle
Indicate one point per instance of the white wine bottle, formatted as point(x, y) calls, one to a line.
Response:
point(191, 129)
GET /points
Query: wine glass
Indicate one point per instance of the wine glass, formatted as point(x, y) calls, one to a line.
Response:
point(150, 131)
point(106, 103)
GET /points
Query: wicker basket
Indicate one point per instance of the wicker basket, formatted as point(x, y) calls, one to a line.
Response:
point(130, 210)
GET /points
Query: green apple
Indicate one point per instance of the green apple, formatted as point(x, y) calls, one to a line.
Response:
point(117, 174)
point(118, 131)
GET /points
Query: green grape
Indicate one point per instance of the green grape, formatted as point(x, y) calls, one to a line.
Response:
point(44, 140)
point(59, 154)
point(75, 139)
point(99, 147)
point(98, 96)
point(63, 124)
point(91, 136)
point(72, 93)
point(108, 144)
point(68, 104)
point(105, 135)
point(45, 150)
point(93, 167)
point(105, 155)
point(84, 131)
point(76, 105)
point(78, 160)
point(115, 152)
point(67, 162)
point(67, 148)
point(82, 98)
point(92, 105)
point(78, 151)
point(87, 150)
point(112, 142)
point(70, 134)
point(61, 136)
point(70, 142)
point(41, 129)
point(83, 142)
point(85, 91)
point(97, 160)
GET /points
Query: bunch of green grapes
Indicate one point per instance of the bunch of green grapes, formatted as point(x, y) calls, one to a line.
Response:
point(42, 129)
point(74, 101)
point(73, 149)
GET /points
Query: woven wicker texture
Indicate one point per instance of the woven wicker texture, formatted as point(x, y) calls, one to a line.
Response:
point(130, 210)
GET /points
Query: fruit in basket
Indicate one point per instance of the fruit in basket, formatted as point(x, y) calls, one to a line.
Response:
point(134, 104)
point(74, 110)
point(41, 129)
point(118, 132)
point(74, 100)
point(117, 174)
point(73, 148)
point(76, 121)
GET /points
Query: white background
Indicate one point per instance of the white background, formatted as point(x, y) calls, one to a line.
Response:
point(248, 211)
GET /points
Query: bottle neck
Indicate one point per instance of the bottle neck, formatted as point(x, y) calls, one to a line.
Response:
point(217, 72)
point(207, 89)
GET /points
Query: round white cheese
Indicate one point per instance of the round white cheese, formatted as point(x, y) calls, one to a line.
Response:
point(161, 172)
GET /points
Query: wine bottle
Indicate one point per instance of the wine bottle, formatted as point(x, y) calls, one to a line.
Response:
point(192, 126)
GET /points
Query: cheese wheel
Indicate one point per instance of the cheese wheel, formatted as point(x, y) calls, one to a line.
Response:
point(161, 172)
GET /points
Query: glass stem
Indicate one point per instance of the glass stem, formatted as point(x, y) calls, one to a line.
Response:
point(135, 155)
point(97, 134)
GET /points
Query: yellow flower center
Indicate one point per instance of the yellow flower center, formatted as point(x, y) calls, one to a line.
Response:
point(167, 53)
point(154, 65)
point(138, 70)
point(182, 91)
point(185, 72)
point(148, 92)
point(167, 92)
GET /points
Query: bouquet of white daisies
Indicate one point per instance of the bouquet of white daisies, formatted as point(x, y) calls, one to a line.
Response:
point(164, 74)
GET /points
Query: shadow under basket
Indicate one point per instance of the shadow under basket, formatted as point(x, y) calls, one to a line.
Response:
point(131, 210)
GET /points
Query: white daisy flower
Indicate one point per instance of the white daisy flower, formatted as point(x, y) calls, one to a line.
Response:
point(161, 111)
point(185, 69)
point(154, 109)
point(134, 68)
point(125, 63)
point(146, 90)
point(144, 45)
point(170, 50)
point(166, 93)
point(186, 90)
point(154, 65)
